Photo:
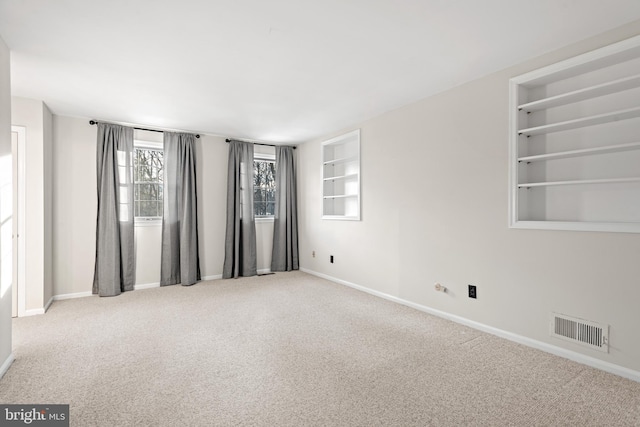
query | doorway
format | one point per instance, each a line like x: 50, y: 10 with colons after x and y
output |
x: 18, y: 146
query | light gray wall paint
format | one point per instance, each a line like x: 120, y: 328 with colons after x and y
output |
x: 434, y: 209
x: 74, y: 205
x: 74, y: 211
x: 5, y: 198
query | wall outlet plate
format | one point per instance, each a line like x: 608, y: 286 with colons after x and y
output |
x: 472, y: 291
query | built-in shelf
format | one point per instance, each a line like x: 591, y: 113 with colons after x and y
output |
x: 578, y: 182
x: 599, y: 119
x: 340, y: 196
x: 582, y: 152
x: 333, y: 178
x: 591, y: 92
x: 341, y: 177
x: 565, y: 170
x: 341, y: 160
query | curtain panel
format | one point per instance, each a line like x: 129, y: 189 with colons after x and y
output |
x: 180, y: 256
x: 284, y: 256
x: 240, y: 243
x: 115, y: 250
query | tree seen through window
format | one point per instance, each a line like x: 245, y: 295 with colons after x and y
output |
x: 148, y: 187
x: 264, y: 188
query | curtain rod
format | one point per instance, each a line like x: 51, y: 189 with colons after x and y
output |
x: 259, y: 143
x: 93, y: 122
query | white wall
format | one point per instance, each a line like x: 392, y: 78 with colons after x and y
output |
x: 74, y: 211
x: 37, y: 119
x: 74, y: 205
x: 6, y: 195
x: 434, y: 209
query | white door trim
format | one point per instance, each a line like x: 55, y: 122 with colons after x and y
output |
x: 20, y: 217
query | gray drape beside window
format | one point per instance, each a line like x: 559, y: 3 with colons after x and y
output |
x: 180, y: 257
x: 240, y: 244
x: 284, y: 256
x: 115, y: 265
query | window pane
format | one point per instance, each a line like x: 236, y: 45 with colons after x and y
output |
x: 148, y: 208
x: 148, y: 187
x: 263, y: 187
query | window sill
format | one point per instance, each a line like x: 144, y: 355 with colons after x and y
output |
x: 265, y: 219
x: 148, y: 223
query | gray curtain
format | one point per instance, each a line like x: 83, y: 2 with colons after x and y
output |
x: 240, y: 244
x: 180, y: 258
x: 115, y: 266
x: 284, y: 256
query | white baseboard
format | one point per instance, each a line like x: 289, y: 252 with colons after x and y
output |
x: 46, y: 307
x: 136, y: 287
x: 539, y: 345
x: 5, y: 366
x: 219, y: 276
x: 71, y: 296
x: 146, y: 286
x: 33, y: 312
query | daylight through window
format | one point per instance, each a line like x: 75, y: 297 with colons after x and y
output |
x: 148, y: 164
x: 264, y: 188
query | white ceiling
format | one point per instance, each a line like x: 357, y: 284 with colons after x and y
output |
x: 279, y: 70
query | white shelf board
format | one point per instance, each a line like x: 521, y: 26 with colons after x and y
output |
x: 629, y: 113
x: 333, y: 178
x: 616, y: 227
x: 340, y: 196
x: 583, y: 94
x: 583, y: 152
x: 341, y: 160
x: 616, y: 53
x: 578, y: 182
x: 341, y: 217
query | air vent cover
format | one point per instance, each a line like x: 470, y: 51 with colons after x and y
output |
x: 584, y: 332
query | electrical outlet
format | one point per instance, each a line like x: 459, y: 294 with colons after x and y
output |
x: 331, y: 259
x: 472, y: 291
x: 313, y: 254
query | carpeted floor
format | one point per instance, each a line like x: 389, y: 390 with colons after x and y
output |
x: 294, y: 350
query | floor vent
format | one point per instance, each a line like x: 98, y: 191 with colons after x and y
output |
x: 584, y: 332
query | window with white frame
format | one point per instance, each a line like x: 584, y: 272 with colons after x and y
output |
x: 148, y: 181
x: 264, y: 186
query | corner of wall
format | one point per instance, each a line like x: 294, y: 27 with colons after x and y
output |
x: 6, y: 356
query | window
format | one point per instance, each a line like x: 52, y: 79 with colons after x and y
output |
x: 264, y: 186
x: 148, y: 180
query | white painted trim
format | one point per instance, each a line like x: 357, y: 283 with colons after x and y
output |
x: 539, y: 345
x: 219, y: 276
x: 33, y: 312
x: 146, y: 286
x: 260, y: 219
x: 47, y: 305
x: 6, y: 365
x: 71, y: 296
x: 22, y: 254
x: 140, y: 222
x: 38, y: 311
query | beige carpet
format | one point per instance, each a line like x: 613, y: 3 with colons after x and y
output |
x: 291, y: 349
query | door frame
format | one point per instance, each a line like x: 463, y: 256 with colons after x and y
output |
x: 19, y: 254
